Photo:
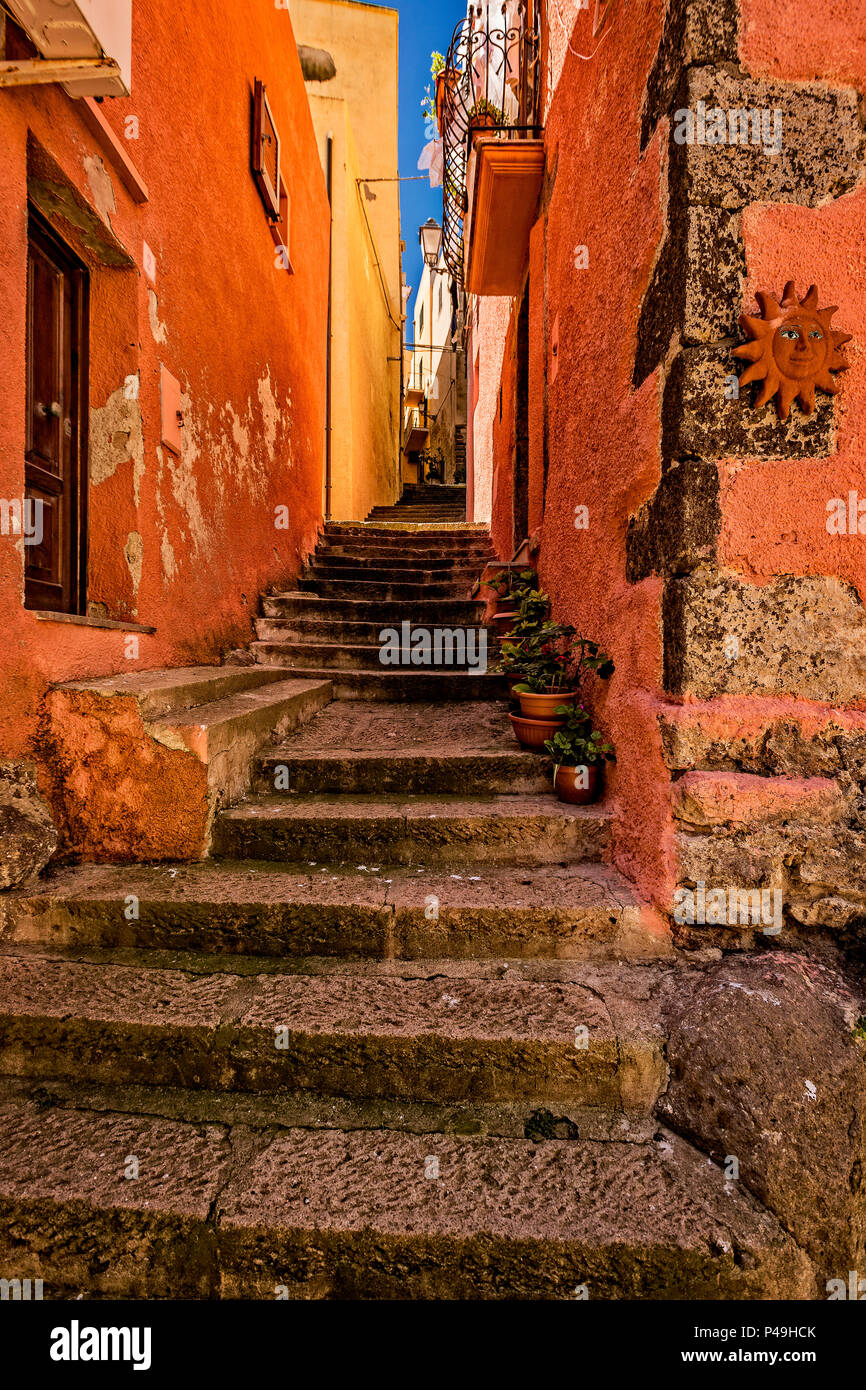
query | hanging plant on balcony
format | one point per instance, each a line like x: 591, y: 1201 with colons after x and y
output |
x: 446, y: 79
x: 434, y: 98
x: 485, y: 116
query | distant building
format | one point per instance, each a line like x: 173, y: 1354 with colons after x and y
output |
x: 435, y: 410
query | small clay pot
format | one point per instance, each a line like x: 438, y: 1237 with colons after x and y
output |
x: 533, y: 733
x: 542, y: 706
x: 504, y: 615
x: 569, y: 784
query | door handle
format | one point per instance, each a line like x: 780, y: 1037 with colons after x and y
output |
x: 54, y: 410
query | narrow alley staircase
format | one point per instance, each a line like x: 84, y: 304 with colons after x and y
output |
x: 400, y: 1036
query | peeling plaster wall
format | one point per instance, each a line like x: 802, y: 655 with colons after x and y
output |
x: 185, y: 543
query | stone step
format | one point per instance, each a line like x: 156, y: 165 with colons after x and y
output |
x: 390, y: 685
x: 381, y: 557
x: 395, y: 573
x: 350, y: 633
x: 310, y: 1213
x: 226, y: 734
x: 416, y: 514
x: 413, y: 830
x: 584, y: 912
x: 338, y: 656
x: 330, y: 560
x: 455, y: 491
x: 387, y: 592
x: 422, y: 612
x: 407, y: 542
x: 420, y: 1031
x: 422, y: 534
x: 164, y: 692
x: 420, y: 749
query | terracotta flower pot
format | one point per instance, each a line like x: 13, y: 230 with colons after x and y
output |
x: 577, y: 785
x: 445, y: 79
x: 533, y: 733
x: 542, y: 706
x: 481, y: 123
x: 504, y: 615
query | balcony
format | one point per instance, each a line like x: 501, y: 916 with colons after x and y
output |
x: 488, y: 101
x: 416, y: 430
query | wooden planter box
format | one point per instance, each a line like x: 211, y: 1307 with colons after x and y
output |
x: 504, y: 182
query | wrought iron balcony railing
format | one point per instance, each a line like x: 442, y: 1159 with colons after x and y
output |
x: 490, y: 83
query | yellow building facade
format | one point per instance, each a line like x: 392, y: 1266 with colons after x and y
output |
x: 350, y: 56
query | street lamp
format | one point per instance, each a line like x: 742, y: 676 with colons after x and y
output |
x: 430, y: 236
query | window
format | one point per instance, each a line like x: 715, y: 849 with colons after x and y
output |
x: 440, y: 294
x: 421, y: 323
x: 266, y: 152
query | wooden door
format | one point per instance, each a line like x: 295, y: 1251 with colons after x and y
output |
x: 55, y: 471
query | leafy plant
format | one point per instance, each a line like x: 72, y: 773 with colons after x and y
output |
x: 556, y: 657
x: 428, y: 105
x: 484, y: 113
x: 512, y: 586
x: 577, y: 744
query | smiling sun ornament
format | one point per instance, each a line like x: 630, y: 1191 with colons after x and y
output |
x: 793, y: 349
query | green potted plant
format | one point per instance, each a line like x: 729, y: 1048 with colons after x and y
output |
x: 557, y: 662
x: 510, y: 590
x: 532, y: 612
x: 579, y: 753
x: 485, y: 116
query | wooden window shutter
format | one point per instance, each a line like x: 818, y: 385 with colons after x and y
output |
x: 266, y: 152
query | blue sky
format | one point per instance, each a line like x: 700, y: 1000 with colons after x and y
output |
x: 425, y: 25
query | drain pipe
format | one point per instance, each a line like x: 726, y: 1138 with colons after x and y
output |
x: 328, y: 420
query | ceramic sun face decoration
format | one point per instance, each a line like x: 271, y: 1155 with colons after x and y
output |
x: 793, y: 349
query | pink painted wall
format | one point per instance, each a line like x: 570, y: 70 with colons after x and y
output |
x: 604, y: 438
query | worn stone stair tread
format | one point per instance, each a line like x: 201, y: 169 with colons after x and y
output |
x: 423, y: 1034
x: 390, y: 805
x: 225, y: 716
x: 162, y: 692
x: 344, y: 656
x: 387, y: 612
x: 410, y: 528
x: 441, y: 828
x: 586, y: 911
x: 390, y: 684
x: 356, y: 1214
x: 351, y: 634
x: 388, y: 590
x: 395, y: 573
x: 418, y: 748
x: 436, y: 728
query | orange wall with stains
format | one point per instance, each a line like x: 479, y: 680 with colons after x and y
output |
x: 183, y: 544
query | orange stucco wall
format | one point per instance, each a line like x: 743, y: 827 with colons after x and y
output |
x: 181, y: 543
x: 603, y: 437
